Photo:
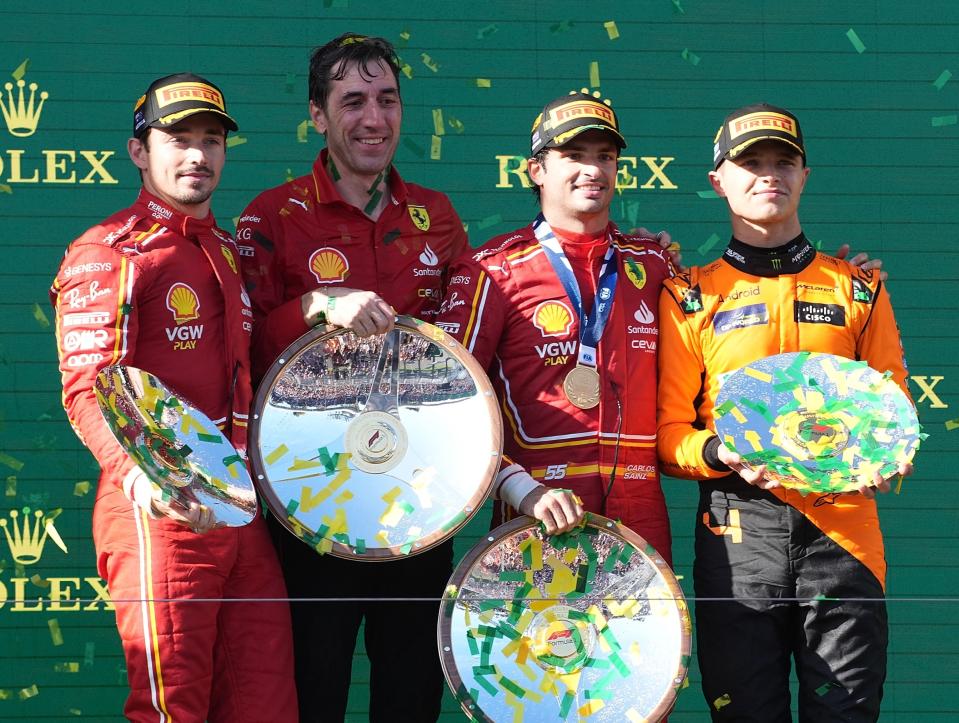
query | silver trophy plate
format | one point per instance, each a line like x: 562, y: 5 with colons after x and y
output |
x: 375, y: 448
x: 587, y: 625
x: 819, y: 422
x: 177, y: 446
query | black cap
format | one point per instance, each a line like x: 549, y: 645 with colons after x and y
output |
x: 753, y: 123
x: 566, y: 117
x: 171, y: 99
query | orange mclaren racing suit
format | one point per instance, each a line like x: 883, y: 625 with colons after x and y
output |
x: 768, y: 549
x: 507, y: 306
x: 292, y: 239
x: 157, y: 290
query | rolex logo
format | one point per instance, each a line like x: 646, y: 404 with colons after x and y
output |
x: 21, y: 114
x: 26, y: 543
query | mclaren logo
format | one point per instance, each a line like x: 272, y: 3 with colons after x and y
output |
x: 328, y: 265
x: 553, y: 318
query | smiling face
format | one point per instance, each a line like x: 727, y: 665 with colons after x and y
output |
x: 577, y: 181
x: 361, y: 119
x: 763, y: 186
x: 181, y: 164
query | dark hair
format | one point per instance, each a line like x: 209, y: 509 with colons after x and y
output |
x: 346, y: 50
x: 540, y: 158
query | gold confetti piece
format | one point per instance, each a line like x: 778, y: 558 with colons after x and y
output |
x: 635, y: 717
x: 276, y: 454
x: 722, y: 701
x: 436, y: 148
x: 943, y: 78
x: 235, y: 141
x: 455, y: 124
x: 856, y: 42
x: 11, y: 462
x: 55, y: 635
x: 407, y: 70
x: 690, y: 56
x: 483, y: 83
x: 81, y: 488
x: 594, y: 74
x: 611, y: 29
x: 301, y: 131
x: 405, y: 36
x: 11, y: 486
x: 30, y: 692
x: 21, y: 70
x: 429, y: 62
x: 952, y: 424
x: 40, y: 316
x: 55, y: 536
x: 5, y: 188
x: 39, y: 581
x: 438, y: 128
x: 944, y: 120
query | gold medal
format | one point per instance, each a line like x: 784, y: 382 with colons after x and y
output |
x: 582, y: 386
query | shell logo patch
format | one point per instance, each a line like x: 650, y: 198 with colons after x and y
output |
x: 328, y: 265
x: 553, y: 318
x: 182, y: 300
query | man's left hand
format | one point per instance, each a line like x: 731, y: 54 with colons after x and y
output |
x: 862, y: 261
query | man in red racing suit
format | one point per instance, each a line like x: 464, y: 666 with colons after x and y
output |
x: 509, y: 307
x: 157, y: 286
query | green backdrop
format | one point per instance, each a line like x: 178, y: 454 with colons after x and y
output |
x: 871, y: 81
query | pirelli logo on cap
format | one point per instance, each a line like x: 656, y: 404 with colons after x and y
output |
x: 578, y: 108
x: 758, y: 121
x: 188, y: 91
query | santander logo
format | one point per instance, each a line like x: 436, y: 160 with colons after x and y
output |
x: 643, y: 315
x: 429, y: 257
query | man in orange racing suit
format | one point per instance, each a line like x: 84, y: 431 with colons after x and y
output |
x: 771, y: 549
x: 562, y: 314
x: 157, y: 286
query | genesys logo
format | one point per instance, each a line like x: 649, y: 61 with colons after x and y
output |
x: 22, y: 105
x: 26, y: 532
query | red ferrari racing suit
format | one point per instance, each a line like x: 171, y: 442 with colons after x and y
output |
x: 292, y: 239
x: 507, y: 306
x: 776, y: 551
x: 154, y: 289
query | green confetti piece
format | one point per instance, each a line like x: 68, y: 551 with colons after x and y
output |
x: 489, y: 221
x: 512, y: 576
x: 455, y: 124
x: 708, y: 244
x: 486, y: 685
x: 568, y: 699
x: 75, y: 711
x: 4, y: 188
x: 413, y: 146
x: 690, y: 57
x: 943, y: 78
x: 611, y: 30
x: 301, y: 131
x: 626, y: 554
x: 455, y: 521
x: 707, y: 194
x: 561, y: 27
x: 235, y: 141
x: 612, y: 558
x: 292, y: 506
x: 678, y: 7
x: 12, y: 462
x: 21, y: 70
x: 11, y: 490
x: 210, y: 438
x: 517, y: 690
x: 594, y: 74
x: 939, y: 121
x: 40, y: 316
x: 486, y: 31
x: 855, y: 40
x: 826, y: 687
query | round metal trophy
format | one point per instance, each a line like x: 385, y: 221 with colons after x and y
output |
x: 587, y: 625
x: 375, y: 448
x: 177, y: 446
x: 819, y: 422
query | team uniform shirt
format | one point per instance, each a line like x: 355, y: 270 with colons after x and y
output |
x: 152, y: 288
x: 751, y: 304
x: 507, y: 305
x: 302, y: 235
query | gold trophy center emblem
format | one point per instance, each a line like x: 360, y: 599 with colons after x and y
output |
x: 582, y: 386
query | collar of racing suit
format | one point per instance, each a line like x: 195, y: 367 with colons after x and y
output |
x: 327, y: 192
x: 790, y: 258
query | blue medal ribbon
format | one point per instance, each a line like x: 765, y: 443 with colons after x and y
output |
x: 591, y: 327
